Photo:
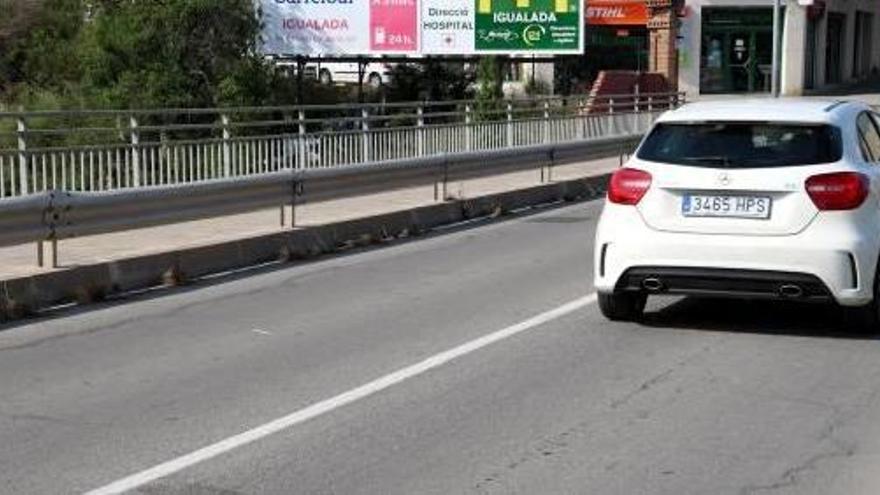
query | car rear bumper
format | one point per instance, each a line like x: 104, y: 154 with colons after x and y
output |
x: 720, y: 282
x: 837, y: 264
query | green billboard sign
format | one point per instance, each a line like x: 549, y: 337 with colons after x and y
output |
x: 543, y: 26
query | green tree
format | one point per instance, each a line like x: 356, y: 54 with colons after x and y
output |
x: 489, y: 87
x: 181, y: 53
x: 38, y: 45
x: 430, y: 80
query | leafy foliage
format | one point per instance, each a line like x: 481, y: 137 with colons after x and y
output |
x: 38, y: 43
x: 433, y: 80
x: 62, y: 54
x: 134, y: 54
x: 180, y: 53
x: 490, y: 91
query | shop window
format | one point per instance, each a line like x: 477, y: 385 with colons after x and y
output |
x: 736, y: 50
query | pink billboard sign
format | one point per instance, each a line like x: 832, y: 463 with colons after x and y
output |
x: 393, y: 25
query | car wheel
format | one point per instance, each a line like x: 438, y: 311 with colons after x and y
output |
x: 325, y: 77
x: 622, y: 306
x: 865, y: 319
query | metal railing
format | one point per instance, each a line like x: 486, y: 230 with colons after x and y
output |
x: 93, y: 151
x: 57, y: 215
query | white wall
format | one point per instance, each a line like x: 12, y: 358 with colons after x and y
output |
x: 848, y: 8
x: 689, y: 49
x: 794, y: 44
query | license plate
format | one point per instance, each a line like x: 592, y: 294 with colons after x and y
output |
x: 706, y: 205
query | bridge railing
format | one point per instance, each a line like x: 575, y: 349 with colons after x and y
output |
x: 93, y: 151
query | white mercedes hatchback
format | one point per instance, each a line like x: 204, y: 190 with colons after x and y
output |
x: 775, y: 199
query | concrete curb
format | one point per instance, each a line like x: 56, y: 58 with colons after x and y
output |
x: 84, y: 284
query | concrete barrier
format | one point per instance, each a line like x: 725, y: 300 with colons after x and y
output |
x: 25, y: 296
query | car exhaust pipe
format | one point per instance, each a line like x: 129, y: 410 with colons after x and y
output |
x: 652, y: 284
x: 791, y: 291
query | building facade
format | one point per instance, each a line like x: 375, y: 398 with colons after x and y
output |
x: 726, y: 46
x: 628, y: 35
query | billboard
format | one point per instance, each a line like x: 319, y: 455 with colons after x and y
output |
x: 447, y: 27
x: 531, y: 26
x: 294, y: 27
x: 617, y: 13
x: 394, y: 26
x: 421, y: 27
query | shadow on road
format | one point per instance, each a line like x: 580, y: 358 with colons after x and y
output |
x: 764, y: 317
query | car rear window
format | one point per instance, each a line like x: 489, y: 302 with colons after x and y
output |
x: 742, y: 144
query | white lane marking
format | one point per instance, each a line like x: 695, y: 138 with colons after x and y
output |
x: 261, y: 332
x: 188, y: 460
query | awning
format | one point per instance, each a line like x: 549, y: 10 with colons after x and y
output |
x: 617, y: 13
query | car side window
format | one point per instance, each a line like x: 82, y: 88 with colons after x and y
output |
x: 875, y: 116
x: 869, y: 137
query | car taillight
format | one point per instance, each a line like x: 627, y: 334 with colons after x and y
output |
x: 628, y: 186
x: 838, y: 191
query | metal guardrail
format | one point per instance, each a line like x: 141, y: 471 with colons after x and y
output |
x: 96, y: 213
x: 91, y: 151
x: 57, y: 215
x: 132, y: 187
x: 27, y: 219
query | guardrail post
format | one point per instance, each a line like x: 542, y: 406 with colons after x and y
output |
x: 41, y: 253
x: 286, y: 160
x: 365, y: 128
x: 420, y: 123
x: 22, y: 157
x: 135, y: 151
x: 546, y: 121
x: 227, y: 147
x: 581, y: 118
x: 509, y: 124
x: 650, y: 103
x: 301, y: 147
x: 611, y: 126
x: 468, y: 119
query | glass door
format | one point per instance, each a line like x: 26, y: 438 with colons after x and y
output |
x: 763, y: 54
x: 737, y: 50
x: 741, y: 61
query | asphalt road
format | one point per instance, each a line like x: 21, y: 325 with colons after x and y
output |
x: 706, y: 397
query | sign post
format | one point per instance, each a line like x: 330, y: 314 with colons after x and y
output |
x: 777, y: 50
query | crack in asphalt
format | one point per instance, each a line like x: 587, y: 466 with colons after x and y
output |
x: 553, y: 445
x: 542, y: 449
x: 792, y: 476
x: 658, y: 378
x: 840, y: 449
